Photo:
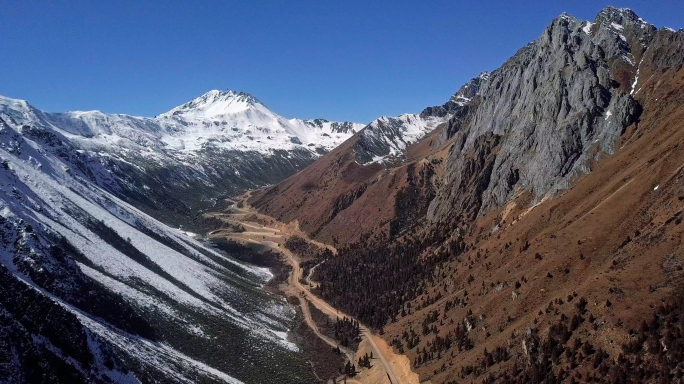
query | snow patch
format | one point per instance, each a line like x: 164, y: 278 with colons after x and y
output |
x: 636, y: 80
x: 608, y: 115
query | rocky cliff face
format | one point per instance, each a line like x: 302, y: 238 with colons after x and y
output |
x: 485, y: 270
x: 557, y: 106
x: 611, y: 242
x: 520, y: 282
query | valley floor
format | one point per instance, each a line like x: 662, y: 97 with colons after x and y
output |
x: 267, y: 233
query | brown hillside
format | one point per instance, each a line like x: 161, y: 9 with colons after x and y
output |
x: 614, y: 239
x: 338, y: 200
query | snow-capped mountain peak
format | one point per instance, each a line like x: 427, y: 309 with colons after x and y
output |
x: 237, y: 120
x: 215, y: 103
x: 16, y: 109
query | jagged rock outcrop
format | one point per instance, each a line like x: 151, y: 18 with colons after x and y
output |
x: 459, y: 99
x: 470, y: 89
x: 558, y: 105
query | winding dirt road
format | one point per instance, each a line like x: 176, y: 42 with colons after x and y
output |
x: 397, y: 370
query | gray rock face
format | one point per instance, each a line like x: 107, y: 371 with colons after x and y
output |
x: 546, y: 115
x: 460, y: 99
x: 665, y: 50
x: 470, y: 89
x: 336, y: 126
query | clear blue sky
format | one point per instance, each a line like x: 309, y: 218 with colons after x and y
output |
x: 343, y: 60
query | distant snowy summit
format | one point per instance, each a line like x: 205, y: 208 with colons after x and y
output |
x: 215, y: 103
x: 218, y: 119
x: 240, y: 121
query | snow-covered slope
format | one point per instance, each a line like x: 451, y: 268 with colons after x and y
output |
x: 218, y: 144
x: 218, y: 119
x: 89, y: 284
x: 237, y: 120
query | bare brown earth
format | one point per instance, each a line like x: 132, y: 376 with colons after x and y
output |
x: 338, y: 201
x: 260, y: 229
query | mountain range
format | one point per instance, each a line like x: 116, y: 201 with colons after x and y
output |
x: 218, y: 144
x: 526, y: 230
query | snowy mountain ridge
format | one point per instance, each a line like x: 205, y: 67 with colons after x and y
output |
x: 386, y: 138
x: 238, y: 120
x: 218, y: 119
x: 221, y: 143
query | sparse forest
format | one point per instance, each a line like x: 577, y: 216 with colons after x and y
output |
x: 372, y: 280
x: 653, y: 354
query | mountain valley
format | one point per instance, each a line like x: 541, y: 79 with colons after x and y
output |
x: 529, y: 229
x: 130, y: 298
